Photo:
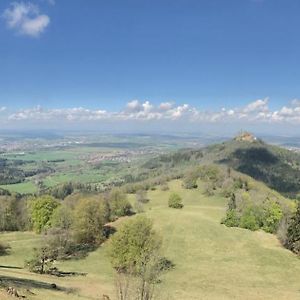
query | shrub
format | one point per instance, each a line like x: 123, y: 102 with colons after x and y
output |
x: 272, y: 215
x: 164, y: 187
x: 190, y: 180
x: 41, y: 261
x: 231, y: 219
x: 4, y: 249
x: 175, y: 201
x: 250, y: 218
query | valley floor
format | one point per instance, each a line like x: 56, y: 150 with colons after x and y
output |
x: 211, y: 261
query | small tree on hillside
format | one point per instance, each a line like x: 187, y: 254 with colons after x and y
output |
x: 42, y: 260
x: 175, y: 201
x: 135, y: 255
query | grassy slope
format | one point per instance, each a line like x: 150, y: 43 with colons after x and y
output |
x: 212, y: 261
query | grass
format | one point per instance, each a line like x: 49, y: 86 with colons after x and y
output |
x: 26, y: 187
x: 211, y: 261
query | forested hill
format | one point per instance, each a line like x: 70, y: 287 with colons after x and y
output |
x: 277, y: 167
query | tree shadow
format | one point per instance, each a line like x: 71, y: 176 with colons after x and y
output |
x: 10, y: 267
x: 24, y: 283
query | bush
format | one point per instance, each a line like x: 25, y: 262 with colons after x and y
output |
x: 250, y: 218
x: 190, y: 180
x: 272, y: 215
x: 4, y: 249
x: 42, y: 260
x: 175, y: 201
x: 164, y: 187
x: 232, y: 219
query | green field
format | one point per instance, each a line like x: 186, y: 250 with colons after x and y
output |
x: 211, y: 261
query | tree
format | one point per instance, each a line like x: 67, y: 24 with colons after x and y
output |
x: 62, y: 218
x: 190, y: 180
x: 120, y: 206
x: 42, y: 260
x: 232, y: 202
x: 41, y: 210
x: 293, y: 232
x: 272, y: 215
x: 175, y: 201
x: 135, y: 255
x: 89, y: 221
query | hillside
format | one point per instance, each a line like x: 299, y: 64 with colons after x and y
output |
x: 211, y: 261
x: 277, y: 167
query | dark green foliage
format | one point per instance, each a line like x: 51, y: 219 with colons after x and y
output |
x: 278, y: 168
x: 293, y: 233
x: 61, y: 192
x: 175, y: 201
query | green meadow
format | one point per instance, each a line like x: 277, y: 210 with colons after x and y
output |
x: 211, y: 261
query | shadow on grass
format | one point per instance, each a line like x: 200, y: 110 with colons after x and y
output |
x: 58, y: 273
x: 23, y: 283
x: 10, y: 267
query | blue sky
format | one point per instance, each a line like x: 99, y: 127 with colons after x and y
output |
x: 101, y: 55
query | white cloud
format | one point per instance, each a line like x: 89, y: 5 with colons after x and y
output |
x: 2, y: 109
x: 255, y: 112
x: 26, y: 19
x: 166, y: 105
x: 258, y: 105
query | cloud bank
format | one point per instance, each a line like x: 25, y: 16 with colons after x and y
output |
x: 256, y: 112
x: 26, y: 19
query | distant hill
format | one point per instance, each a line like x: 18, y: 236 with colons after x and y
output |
x: 277, y: 167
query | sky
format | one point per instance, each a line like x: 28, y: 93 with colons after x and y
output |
x: 173, y: 65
